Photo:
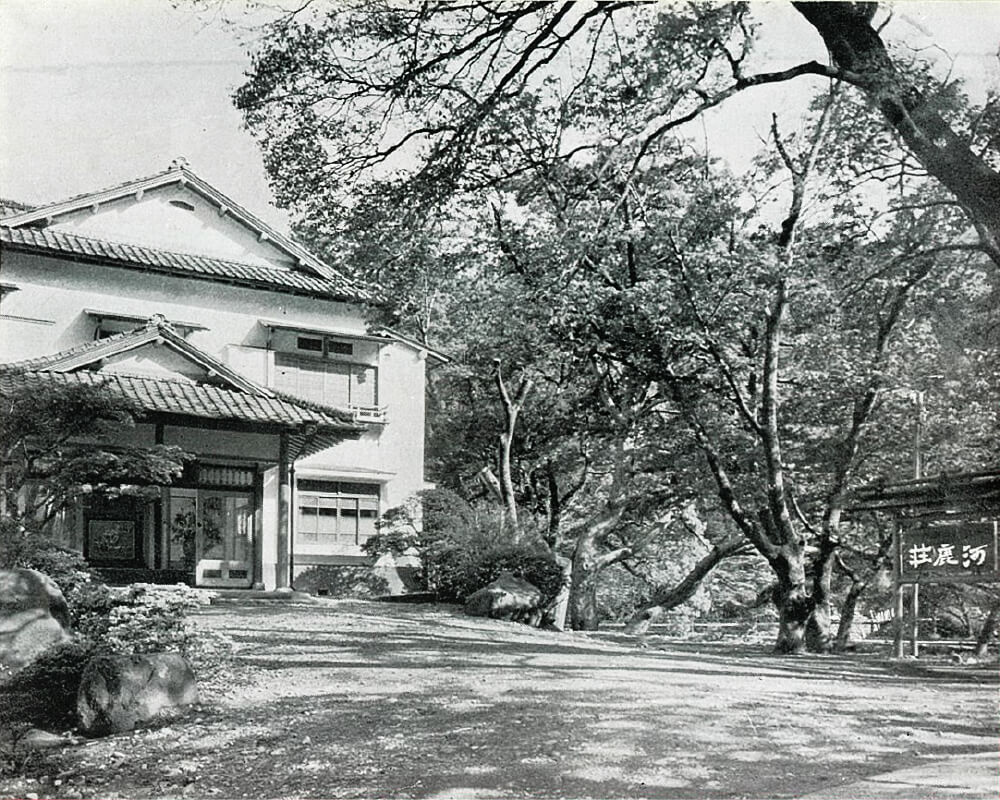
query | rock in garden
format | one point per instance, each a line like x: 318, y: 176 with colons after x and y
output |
x: 508, y: 598
x: 33, y: 616
x: 38, y: 739
x: 118, y: 693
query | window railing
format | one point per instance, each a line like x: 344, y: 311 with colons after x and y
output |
x: 375, y: 414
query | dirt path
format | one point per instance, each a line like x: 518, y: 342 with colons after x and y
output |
x: 350, y: 699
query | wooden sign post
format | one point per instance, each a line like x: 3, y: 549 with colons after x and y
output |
x: 944, y: 551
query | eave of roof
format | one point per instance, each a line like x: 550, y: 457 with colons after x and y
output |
x: 59, y: 244
x: 192, y: 401
x: 436, y: 355
x: 179, y: 174
x: 139, y: 319
x: 9, y: 208
x: 318, y: 330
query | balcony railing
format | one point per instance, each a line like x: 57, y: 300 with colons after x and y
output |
x: 376, y: 414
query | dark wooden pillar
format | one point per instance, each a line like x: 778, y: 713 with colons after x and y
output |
x: 282, y: 576
x: 258, y: 530
x: 159, y: 535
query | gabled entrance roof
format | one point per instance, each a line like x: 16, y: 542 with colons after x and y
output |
x: 158, y: 396
x: 230, y: 402
x: 158, y: 330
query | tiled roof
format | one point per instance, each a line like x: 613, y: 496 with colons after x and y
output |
x: 179, y: 173
x: 92, y: 350
x: 240, y: 401
x: 190, y: 399
x: 83, y: 248
x: 156, y: 329
x: 9, y: 207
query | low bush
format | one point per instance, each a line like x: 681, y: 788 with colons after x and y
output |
x: 454, y: 572
x: 458, y: 547
x: 342, y: 580
x: 129, y: 620
x: 43, y: 694
x: 67, y: 568
x: 144, y: 618
x: 151, y: 619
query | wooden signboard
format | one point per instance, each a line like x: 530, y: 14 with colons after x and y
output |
x: 952, y: 552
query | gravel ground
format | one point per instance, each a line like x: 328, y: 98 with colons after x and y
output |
x: 366, y: 700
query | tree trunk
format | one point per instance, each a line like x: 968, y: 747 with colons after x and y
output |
x: 583, y: 613
x: 819, y: 638
x: 559, y: 609
x: 986, y: 632
x: 588, y: 562
x: 794, y: 604
x: 794, y: 610
x: 856, y: 47
x: 665, y: 599
x: 553, y: 506
x: 511, y: 407
x: 819, y: 628
x: 847, y: 614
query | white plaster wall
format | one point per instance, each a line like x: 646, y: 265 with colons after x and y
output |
x: 46, y: 315
x: 255, y: 363
x: 269, y: 513
x: 154, y: 362
x: 395, y: 450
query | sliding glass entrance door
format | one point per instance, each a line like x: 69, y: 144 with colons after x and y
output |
x: 210, y: 533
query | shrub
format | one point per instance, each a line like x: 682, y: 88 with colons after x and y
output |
x: 430, y: 517
x: 141, y: 618
x: 23, y: 544
x: 43, y: 694
x: 454, y: 572
x: 144, y: 618
x: 458, y: 547
x: 342, y: 580
x: 67, y: 568
x: 152, y: 619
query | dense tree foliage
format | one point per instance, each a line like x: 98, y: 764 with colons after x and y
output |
x: 516, y: 176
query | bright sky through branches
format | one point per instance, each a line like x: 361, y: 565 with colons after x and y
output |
x: 95, y: 92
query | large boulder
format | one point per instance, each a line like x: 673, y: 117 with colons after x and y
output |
x: 33, y: 616
x: 119, y: 693
x: 508, y: 597
x: 401, y: 573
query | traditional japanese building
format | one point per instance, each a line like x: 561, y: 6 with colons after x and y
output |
x: 239, y: 346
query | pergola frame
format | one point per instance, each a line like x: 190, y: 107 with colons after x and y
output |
x: 957, y: 497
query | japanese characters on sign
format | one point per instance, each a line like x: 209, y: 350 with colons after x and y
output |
x: 953, y: 550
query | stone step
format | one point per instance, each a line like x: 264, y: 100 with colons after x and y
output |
x: 238, y: 596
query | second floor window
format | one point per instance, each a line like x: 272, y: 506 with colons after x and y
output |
x: 335, y: 383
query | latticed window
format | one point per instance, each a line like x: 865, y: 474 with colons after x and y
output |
x: 335, y: 383
x: 335, y: 516
x: 224, y: 475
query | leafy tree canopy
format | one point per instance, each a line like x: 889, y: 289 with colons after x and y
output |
x: 55, y: 451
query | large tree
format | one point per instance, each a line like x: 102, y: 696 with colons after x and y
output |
x: 552, y: 126
x: 339, y: 96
